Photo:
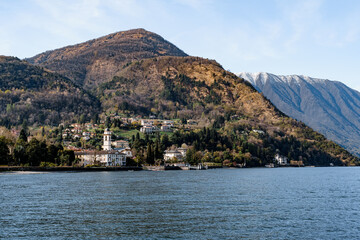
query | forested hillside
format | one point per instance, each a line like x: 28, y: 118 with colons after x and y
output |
x: 32, y: 94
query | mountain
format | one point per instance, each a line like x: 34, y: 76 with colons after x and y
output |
x: 329, y: 107
x: 138, y: 72
x: 200, y: 89
x: 33, y: 94
x: 93, y: 62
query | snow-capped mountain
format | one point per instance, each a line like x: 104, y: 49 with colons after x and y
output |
x: 329, y: 107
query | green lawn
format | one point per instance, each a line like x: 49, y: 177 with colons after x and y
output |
x: 128, y: 134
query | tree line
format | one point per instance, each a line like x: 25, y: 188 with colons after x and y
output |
x: 33, y: 152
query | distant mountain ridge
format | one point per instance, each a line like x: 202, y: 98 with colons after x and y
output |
x: 329, y: 107
x: 96, y: 61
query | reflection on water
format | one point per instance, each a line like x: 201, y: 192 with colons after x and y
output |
x: 282, y: 203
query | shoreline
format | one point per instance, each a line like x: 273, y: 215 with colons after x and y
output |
x: 67, y: 169
x: 124, y: 168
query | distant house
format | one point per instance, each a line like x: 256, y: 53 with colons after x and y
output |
x: 76, y: 130
x: 148, y: 129
x: 146, y: 122
x: 172, y: 155
x: 121, y: 144
x: 183, y: 151
x: 179, y: 154
x: 281, y: 160
x: 86, y: 134
x: 258, y: 131
x: 168, y: 122
x: 127, y: 152
x: 76, y: 125
x: 77, y: 136
x: 166, y: 128
x: 191, y: 122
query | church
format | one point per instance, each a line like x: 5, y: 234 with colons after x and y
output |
x: 107, y: 157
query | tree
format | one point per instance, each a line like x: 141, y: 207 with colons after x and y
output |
x: 24, y: 125
x: 34, y: 152
x: 4, y: 151
x: 82, y: 119
x: 53, y: 153
x: 149, y: 154
x: 157, y: 151
x: 107, y: 122
x: 23, y: 135
x: 66, y: 157
x: 190, y: 154
x: 19, y: 153
x: 165, y: 143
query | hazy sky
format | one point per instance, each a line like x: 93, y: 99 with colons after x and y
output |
x: 317, y: 38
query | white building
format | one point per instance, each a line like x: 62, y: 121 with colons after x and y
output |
x: 182, y: 151
x: 173, y: 155
x: 149, y: 129
x: 146, y: 122
x: 168, y: 122
x: 258, y: 131
x: 104, y: 158
x: 146, y: 129
x: 127, y: 152
x: 107, y: 140
x: 281, y: 160
x: 179, y: 154
x: 107, y: 157
x: 166, y: 128
x: 86, y: 136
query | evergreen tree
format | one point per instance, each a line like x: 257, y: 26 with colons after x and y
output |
x: 165, y: 143
x: 149, y: 154
x: 157, y: 150
x: 107, y: 122
x: 4, y: 151
x: 53, y: 153
x: 23, y: 135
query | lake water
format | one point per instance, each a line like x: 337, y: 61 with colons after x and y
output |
x: 259, y: 203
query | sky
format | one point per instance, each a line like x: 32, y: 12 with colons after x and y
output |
x: 317, y: 38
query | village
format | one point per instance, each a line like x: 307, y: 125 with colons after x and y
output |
x: 149, y: 143
x: 115, y: 147
x: 117, y: 152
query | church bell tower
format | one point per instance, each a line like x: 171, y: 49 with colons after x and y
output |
x: 107, y: 140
